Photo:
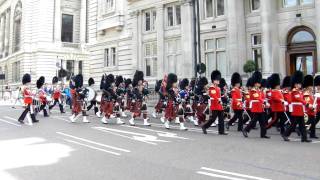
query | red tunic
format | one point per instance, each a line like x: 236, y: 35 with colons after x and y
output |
x: 215, y: 99
x: 56, y: 93
x: 247, y: 100
x: 297, y: 106
x: 27, y: 95
x: 277, y: 101
x: 287, y: 97
x: 256, y: 101
x: 236, y: 99
x: 43, y: 96
x: 308, y: 98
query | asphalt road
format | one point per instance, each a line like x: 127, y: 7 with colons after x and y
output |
x: 56, y: 149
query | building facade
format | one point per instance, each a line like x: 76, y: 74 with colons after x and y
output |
x: 157, y: 36
x: 42, y: 36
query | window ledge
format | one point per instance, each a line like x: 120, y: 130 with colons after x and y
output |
x: 115, y: 21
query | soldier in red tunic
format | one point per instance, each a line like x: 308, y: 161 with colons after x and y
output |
x: 236, y: 104
x: 308, y: 96
x: 246, y: 97
x: 297, y: 108
x: 215, y: 104
x: 42, y: 96
x: 257, y: 107
x: 277, y: 103
x: 314, y: 123
x: 28, y: 99
x: 56, y: 94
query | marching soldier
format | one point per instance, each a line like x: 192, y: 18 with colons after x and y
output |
x: 257, y: 107
x: 314, y: 123
x: 93, y: 103
x: 237, y: 104
x: 215, y: 104
x: 161, y: 101
x: 201, y: 100
x: 311, y: 110
x: 297, y: 108
x: 121, y: 92
x: 42, y: 96
x: 56, y: 94
x: 246, y: 98
x: 28, y: 99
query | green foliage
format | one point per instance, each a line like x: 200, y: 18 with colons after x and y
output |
x: 249, y: 67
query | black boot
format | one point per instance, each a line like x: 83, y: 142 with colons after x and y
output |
x: 45, y: 113
x: 61, y: 108
x: 33, y: 117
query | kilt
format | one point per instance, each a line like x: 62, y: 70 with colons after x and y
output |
x: 200, y: 112
x: 159, y: 106
x: 107, y: 108
x: 136, y: 108
x: 76, y: 106
x: 129, y: 104
x: 170, y: 111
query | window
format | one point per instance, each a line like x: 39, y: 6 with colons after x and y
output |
x: 17, y: 27
x: 110, y: 57
x: 173, y: 15
x: 291, y: 3
x: 70, y: 68
x: 80, y: 67
x: 209, y: 8
x: 16, y: 71
x: 219, y: 8
x: 150, y: 58
x: 302, y: 36
x: 215, y: 55
x: 106, y: 7
x: 257, y: 50
x: 214, y: 7
x: 67, y: 28
x: 150, y: 20
x: 174, y: 57
x: 255, y: 5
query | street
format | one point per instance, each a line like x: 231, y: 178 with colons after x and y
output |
x: 56, y: 149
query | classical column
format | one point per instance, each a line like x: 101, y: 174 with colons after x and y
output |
x: 160, y: 42
x: 7, y: 33
x: 57, y: 21
x: 1, y: 33
x: 236, y: 39
x: 135, y: 36
x: 269, y: 31
x: 317, y: 4
x: 187, y: 61
x: 83, y: 21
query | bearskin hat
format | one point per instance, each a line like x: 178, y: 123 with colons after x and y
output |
x: 26, y: 79
x: 91, y: 81
x: 223, y: 83
x: 264, y: 83
x: 184, y: 83
x: 215, y: 75
x: 127, y: 82
x: 109, y: 80
x: 172, y: 78
x: 55, y: 80
x: 297, y: 78
x: 286, y: 83
x: 138, y: 76
x: 119, y: 80
x: 274, y: 80
x: 202, y: 82
x: 235, y: 79
x: 40, y: 82
x: 158, y: 85
x: 317, y: 81
x: 308, y: 81
x: 256, y: 77
x: 249, y: 82
x: 78, y: 81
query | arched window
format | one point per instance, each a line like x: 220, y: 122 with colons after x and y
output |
x: 17, y: 27
x: 302, y: 36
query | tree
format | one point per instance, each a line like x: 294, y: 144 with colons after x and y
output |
x: 249, y: 67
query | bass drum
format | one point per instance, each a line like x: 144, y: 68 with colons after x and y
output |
x: 98, y: 97
x: 90, y: 95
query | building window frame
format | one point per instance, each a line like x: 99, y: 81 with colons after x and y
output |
x: 252, y: 6
x: 214, y: 8
x: 152, y: 20
x: 213, y: 51
x: 150, y: 57
x: 107, y: 7
x: 110, y: 57
x: 256, y: 49
x: 73, y: 28
x: 297, y: 3
x: 176, y: 15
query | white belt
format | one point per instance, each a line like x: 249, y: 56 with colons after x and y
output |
x: 253, y: 101
x: 296, y: 104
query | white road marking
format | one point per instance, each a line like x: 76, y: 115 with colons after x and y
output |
x: 92, y: 147
x: 233, y: 173
x: 159, y: 133
x: 18, y: 125
x: 218, y: 176
x: 58, y: 118
x: 93, y: 142
x: 149, y: 139
x: 11, y: 118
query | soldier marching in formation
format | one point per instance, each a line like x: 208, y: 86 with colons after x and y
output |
x: 265, y: 101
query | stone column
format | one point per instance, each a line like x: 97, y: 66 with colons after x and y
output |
x: 236, y: 39
x: 160, y: 42
x: 1, y: 33
x: 317, y: 4
x: 135, y: 42
x: 7, y: 33
x: 83, y: 21
x: 187, y: 61
x: 269, y: 36
x: 57, y: 21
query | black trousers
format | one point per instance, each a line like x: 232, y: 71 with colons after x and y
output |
x: 55, y: 103
x: 25, y: 112
x: 313, y: 121
x: 238, y: 114
x: 247, y: 117
x: 297, y: 120
x: 213, y: 117
x: 43, y: 108
x: 275, y: 119
x: 262, y: 121
x: 93, y: 104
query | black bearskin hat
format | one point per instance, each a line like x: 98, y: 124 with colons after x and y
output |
x: 109, y: 81
x: 235, y: 79
x: 91, y: 81
x: 138, y: 76
x: 317, y: 81
x: 119, y: 80
x: 184, y: 83
x: 158, y: 85
x: 256, y: 77
x: 78, y: 81
x: 26, y: 79
x: 286, y: 83
x: 308, y: 81
x: 274, y: 80
x: 249, y: 82
x: 172, y: 78
x: 55, y: 80
x: 297, y: 78
x: 202, y: 82
x: 215, y: 75
x: 127, y: 82
x: 40, y: 82
x: 223, y: 83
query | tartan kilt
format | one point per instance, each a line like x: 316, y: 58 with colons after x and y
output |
x: 76, y: 106
x: 200, y: 112
x: 136, y: 108
x: 170, y: 111
x: 107, y: 108
x: 159, y: 106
